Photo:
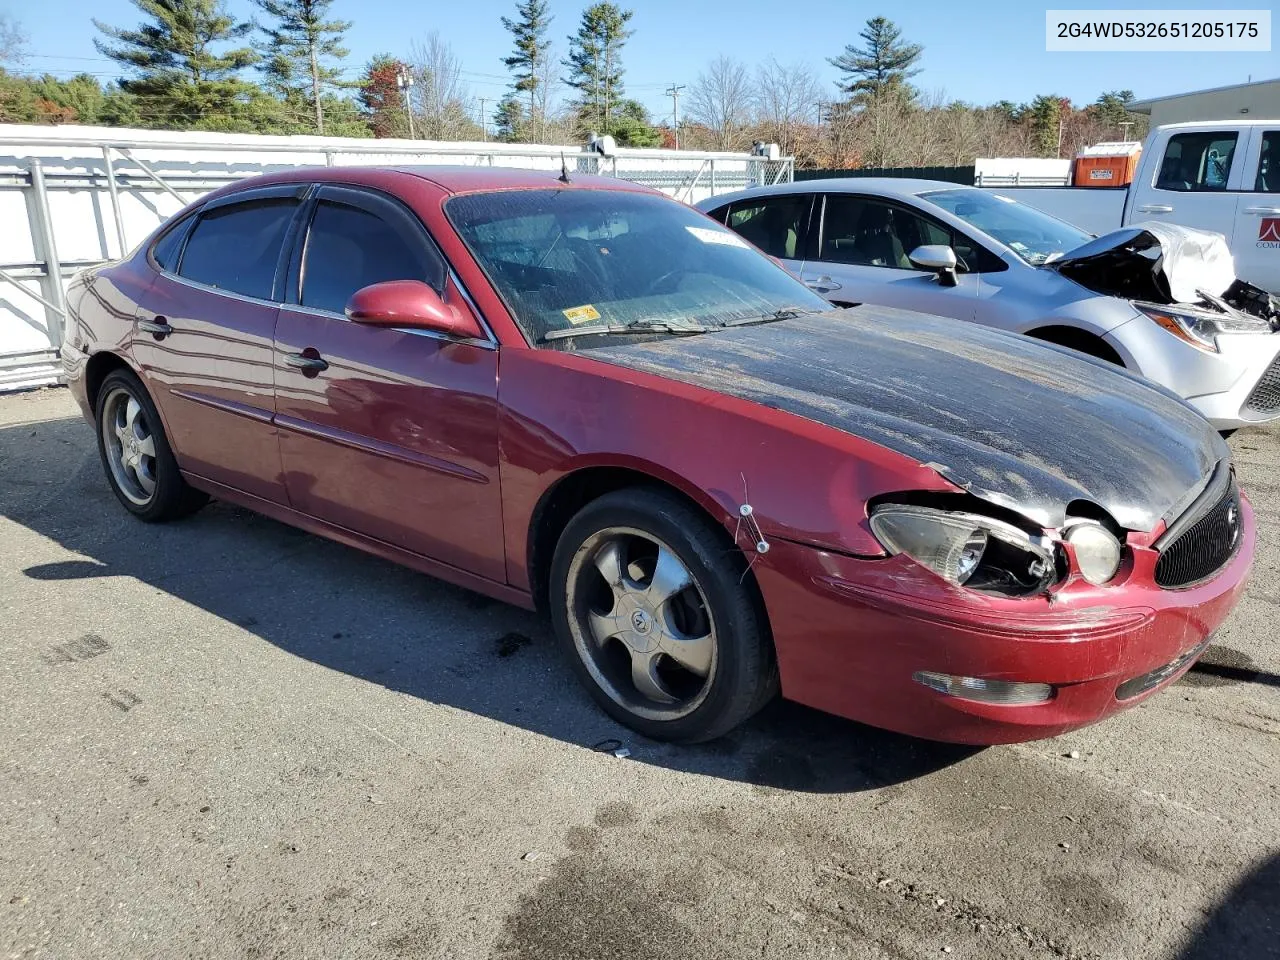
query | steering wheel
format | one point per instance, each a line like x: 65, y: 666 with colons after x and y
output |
x: 652, y: 286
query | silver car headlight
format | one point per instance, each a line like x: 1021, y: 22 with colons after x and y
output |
x: 967, y: 549
x: 1097, y: 551
x: 1202, y: 330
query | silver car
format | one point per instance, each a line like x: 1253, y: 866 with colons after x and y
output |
x: 966, y: 253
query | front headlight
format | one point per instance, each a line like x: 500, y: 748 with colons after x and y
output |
x: 966, y: 548
x: 1097, y: 551
x: 1201, y: 330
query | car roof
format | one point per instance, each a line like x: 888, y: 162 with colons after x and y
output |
x: 900, y: 187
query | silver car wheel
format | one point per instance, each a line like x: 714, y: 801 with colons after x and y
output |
x: 130, y: 445
x: 641, y: 623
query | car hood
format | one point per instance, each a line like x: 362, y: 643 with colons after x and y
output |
x: 1025, y: 425
x: 1157, y: 262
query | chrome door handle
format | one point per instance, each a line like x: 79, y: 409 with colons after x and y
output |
x: 305, y: 363
x: 158, y: 328
x: 823, y: 283
x: 1155, y: 208
x: 1269, y: 211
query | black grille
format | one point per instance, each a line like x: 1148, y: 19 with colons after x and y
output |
x: 1265, y: 397
x: 1205, y: 546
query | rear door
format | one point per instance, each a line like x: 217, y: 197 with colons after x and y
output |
x: 1193, y: 183
x: 1255, y: 242
x: 862, y: 256
x: 204, y: 336
x: 776, y: 223
x: 391, y: 433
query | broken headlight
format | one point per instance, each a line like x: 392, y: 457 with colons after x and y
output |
x: 967, y: 549
x: 1202, y: 329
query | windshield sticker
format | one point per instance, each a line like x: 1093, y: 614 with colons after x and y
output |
x: 583, y: 314
x: 723, y: 237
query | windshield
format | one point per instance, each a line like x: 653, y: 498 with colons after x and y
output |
x: 1034, y: 236
x: 579, y: 260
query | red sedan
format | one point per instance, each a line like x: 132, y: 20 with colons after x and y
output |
x: 576, y: 394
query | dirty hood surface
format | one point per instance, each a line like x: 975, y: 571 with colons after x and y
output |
x: 1021, y: 424
x: 1159, y: 262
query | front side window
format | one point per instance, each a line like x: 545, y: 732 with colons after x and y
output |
x: 237, y: 247
x: 1197, y: 161
x: 871, y: 233
x: 1034, y: 236
x: 349, y: 248
x: 1268, y: 178
x: 774, y: 224
x: 569, y: 258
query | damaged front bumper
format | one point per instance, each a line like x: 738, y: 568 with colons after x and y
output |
x: 1236, y: 386
x: 860, y: 634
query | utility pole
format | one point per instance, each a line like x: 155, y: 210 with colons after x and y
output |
x: 404, y: 80
x: 484, y: 123
x: 1124, y: 129
x: 673, y: 92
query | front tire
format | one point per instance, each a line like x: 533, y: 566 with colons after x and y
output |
x: 135, y: 453
x: 650, y: 600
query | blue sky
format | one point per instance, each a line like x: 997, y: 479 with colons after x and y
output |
x: 980, y: 52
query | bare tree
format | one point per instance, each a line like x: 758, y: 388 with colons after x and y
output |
x: 787, y: 100
x: 13, y: 42
x: 720, y: 100
x: 441, y: 100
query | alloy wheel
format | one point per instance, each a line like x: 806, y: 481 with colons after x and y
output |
x: 641, y: 623
x: 130, y: 446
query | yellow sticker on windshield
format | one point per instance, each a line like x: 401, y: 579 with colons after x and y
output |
x: 583, y: 314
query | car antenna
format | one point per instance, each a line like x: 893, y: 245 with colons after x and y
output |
x: 564, y: 169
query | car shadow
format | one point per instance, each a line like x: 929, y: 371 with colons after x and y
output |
x: 347, y: 611
x: 1246, y: 925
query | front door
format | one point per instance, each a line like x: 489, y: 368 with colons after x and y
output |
x: 864, y: 245
x: 1194, y: 182
x: 205, y: 338
x: 387, y: 432
x: 1255, y: 244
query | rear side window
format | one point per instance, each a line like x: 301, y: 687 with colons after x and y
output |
x: 1196, y: 162
x: 1268, y: 178
x: 774, y: 224
x: 349, y: 248
x: 166, y: 249
x: 236, y: 247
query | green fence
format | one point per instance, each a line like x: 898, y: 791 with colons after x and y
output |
x: 963, y: 175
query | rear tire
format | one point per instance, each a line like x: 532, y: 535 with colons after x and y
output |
x: 650, y: 602
x: 135, y: 452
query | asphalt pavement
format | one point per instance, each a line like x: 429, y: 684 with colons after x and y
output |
x: 225, y: 738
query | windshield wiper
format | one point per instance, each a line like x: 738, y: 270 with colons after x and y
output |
x: 635, y: 326
x: 786, y: 313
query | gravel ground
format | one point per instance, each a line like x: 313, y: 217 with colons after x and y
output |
x: 227, y: 738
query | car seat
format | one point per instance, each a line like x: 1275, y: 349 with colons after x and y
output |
x: 876, y: 242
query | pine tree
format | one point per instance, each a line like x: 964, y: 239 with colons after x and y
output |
x: 883, y: 66
x: 380, y: 97
x: 182, y: 76
x: 595, y: 63
x: 527, y: 63
x: 299, y: 50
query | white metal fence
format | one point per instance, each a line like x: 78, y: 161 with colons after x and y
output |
x: 73, y: 197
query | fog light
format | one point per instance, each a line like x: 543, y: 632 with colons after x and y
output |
x: 1006, y: 692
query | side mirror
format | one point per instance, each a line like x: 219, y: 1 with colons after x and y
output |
x: 939, y: 258
x: 411, y: 304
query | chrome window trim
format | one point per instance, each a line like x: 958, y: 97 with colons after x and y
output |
x: 220, y: 291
